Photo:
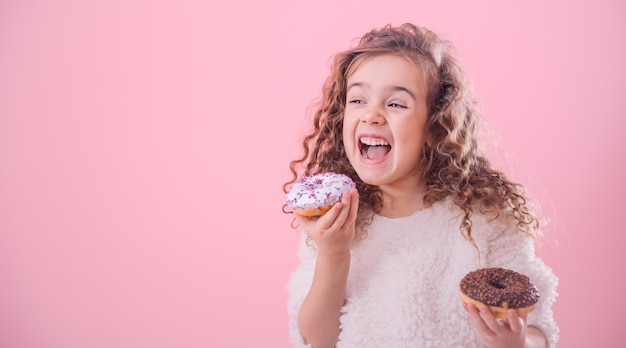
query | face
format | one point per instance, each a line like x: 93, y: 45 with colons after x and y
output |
x: 384, y: 126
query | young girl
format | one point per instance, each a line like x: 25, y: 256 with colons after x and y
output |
x: 382, y: 267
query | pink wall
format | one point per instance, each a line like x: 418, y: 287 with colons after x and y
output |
x: 143, y: 145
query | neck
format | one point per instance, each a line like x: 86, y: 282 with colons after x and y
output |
x: 402, y: 199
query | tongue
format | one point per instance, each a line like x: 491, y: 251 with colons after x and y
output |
x: 377, y: 152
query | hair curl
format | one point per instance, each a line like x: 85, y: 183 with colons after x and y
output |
x: 452, y: 166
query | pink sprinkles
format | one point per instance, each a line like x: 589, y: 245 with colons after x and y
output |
x: 318, y: 190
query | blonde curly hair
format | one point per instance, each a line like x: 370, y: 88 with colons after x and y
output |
x: 451, y: 164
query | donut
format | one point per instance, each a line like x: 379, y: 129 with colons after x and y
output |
x: 314, y: 195
x: 500, y: 289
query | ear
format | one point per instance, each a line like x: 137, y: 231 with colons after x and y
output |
x: 429, y: 139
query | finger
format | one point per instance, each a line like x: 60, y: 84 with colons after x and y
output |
x: 516, y: 323
x: 478, y: 321
x: 334, y: 217
x: 325, y: 220
x: 490, y: 320
x: 345, y: 210
x: 354, y: 205
x: 351, y: 200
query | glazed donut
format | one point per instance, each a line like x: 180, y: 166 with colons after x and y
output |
x: 500, y: 289
x: 314, y: 195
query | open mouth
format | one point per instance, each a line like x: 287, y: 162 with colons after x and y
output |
x: 373, y: 148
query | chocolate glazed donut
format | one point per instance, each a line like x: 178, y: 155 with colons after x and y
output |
x: 500, y: 289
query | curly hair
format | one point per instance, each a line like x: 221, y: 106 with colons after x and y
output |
x: 452, y: 166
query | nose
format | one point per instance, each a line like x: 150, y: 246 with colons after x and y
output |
x: 373, y: 116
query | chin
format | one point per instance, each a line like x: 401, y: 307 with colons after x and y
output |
x: 370, y: 178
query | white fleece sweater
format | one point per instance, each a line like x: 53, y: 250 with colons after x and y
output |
x: 403, y: 285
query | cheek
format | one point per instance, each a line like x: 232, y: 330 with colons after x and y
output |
x: 415, y: 138
x: 347, y: 132
x: 350, y: 148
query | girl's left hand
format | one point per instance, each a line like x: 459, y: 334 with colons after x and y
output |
x: 496, y: 332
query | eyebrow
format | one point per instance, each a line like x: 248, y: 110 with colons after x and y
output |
x: 390, y: 88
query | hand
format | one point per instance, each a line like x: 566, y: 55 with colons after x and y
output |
x: 333, y: 232
x: 497, y: 332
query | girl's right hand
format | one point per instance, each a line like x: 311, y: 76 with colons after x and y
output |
x: 334, y: 231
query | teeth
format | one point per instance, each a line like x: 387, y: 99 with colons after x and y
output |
x: 373, y: 141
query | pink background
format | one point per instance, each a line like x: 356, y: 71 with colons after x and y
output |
x: 144, y: 144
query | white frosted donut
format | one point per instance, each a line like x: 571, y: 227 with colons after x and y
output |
x: 314, y: 195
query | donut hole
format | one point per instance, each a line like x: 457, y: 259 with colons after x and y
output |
x: 496, y: 284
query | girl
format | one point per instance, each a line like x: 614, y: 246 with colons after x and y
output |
x: 382, y: 267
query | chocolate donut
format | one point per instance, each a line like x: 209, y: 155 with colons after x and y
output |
x: 500, y: 289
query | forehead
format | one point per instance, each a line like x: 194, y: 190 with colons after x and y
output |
x: 383, y: 69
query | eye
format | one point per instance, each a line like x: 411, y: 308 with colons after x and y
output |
x: 357, y: 101
x: 396, y: 105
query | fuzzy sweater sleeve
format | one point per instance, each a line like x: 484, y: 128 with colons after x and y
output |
x: 298, y: 288
x: 515, y: 251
